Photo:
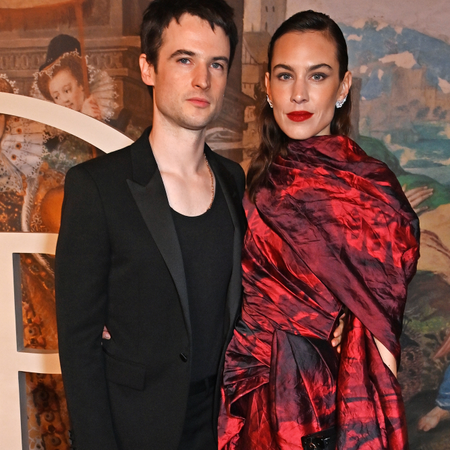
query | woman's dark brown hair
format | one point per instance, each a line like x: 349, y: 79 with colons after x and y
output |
x: 273, y: 140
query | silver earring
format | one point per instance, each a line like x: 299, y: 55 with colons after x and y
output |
x: 340, y: 103
x: 269, y: 101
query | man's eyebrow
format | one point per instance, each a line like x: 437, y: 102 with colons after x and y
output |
x: 224, y: 59
x: 182, y: 52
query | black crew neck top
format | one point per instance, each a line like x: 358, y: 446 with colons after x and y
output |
x: 206, y: 243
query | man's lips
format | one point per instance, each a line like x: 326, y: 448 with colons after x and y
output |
x: 198, y: 101
x: 299, y: 116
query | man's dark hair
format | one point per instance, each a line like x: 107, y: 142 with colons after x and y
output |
x: 160, y: 13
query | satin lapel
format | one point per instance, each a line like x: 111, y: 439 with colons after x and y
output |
x: 152, y: 202
x: 234, y: 202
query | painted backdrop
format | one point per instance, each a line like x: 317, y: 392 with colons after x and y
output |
x: 400, y: 59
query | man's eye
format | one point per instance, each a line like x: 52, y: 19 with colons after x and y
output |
x: 217, y: 66
x: 184, y: 60
x: 284, y: 76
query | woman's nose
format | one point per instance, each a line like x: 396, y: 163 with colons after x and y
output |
x: 299, y: 92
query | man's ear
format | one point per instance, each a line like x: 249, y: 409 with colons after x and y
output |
x: 147, y: 70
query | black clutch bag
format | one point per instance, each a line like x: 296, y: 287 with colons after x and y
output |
x: 322, y: 440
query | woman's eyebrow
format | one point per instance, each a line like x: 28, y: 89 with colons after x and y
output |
x: 314, y: 67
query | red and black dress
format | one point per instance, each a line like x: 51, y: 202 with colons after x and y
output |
x: 333, y: 229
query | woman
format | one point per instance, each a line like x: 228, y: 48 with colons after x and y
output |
x: 64, y: 86
x: 329, y: 229
x: 60, y: 80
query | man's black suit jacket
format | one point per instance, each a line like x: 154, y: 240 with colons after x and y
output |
x: 119, y: 264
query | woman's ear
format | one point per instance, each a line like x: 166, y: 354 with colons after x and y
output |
x: 147, y: 70
x: 267, y: 84
x: 346, y: 84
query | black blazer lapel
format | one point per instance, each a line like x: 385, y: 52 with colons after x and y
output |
x: 150, y: 196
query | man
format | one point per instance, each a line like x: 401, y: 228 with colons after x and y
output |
x: 149, y: 246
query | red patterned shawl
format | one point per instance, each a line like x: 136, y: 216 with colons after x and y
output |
x: 333, y: 229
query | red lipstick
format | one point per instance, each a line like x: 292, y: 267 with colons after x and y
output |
x: 299, y: 116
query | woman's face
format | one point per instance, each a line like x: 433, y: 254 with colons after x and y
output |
x: 304, y: 83
x: 66, y: 91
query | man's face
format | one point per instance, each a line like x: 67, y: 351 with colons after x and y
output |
x: 190, y: 81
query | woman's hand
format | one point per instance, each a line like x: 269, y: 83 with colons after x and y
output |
x: 335, y: 342
x: 386, y: 356
x: 91, y: 108
x: 337, y: 334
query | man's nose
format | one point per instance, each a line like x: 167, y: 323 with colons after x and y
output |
x: 202, y: 77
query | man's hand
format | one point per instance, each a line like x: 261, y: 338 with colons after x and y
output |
x: 105, y: 334
x: 335, y: 342
x: 337, y: 335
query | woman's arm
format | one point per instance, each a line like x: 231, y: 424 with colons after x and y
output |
x: 386, y: 356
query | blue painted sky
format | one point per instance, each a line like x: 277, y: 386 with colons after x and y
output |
x: 427, y: 51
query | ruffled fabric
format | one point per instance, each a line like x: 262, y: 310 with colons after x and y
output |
x: 104, y: 90
x: 332, y: 229
x: 21, y: 152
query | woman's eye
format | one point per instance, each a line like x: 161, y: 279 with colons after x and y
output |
x: 217, y: 66
x: 318, y: 76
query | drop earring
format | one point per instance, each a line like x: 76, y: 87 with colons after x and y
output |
x: 269, y: 101
x: 340, y: 103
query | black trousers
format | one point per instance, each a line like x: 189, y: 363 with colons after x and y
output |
x: 198, y: 431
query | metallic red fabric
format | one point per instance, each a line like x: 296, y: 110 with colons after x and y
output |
x: 333, y: 229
